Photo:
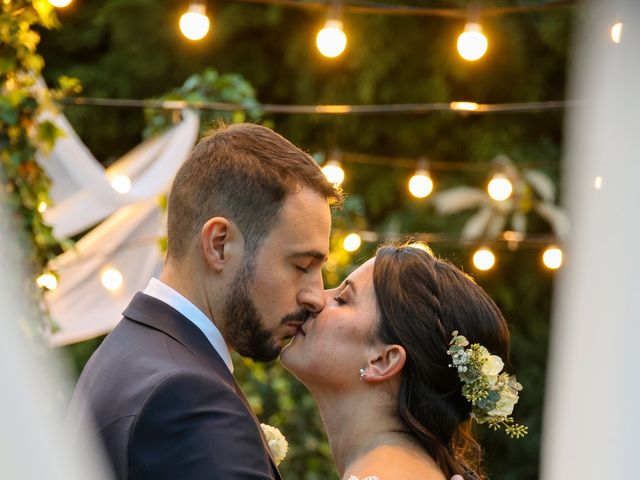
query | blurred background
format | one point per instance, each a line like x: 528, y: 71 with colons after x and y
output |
x: 263, y: 54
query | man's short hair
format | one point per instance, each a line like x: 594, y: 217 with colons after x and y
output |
x: 244, y: 173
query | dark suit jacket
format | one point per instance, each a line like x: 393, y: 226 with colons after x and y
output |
x: 166, y: 406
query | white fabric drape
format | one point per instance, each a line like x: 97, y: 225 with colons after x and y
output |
x: 126, y: 241
x: 82, y: 189
x: 591, y: 414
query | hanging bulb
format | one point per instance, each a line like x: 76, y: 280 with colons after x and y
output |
x: 499, y: 187
x: 472, y: 43
x: 42, y: 206
x: 48, y: 281
x: 111, y: 279
x: 484, y: 259
x: 331, y: 40
x: 333, y: 169
x: 552, y: 258
x: 121, y: 183
x: 616, y: 32
x: 352, y: 242
x: 194, y: 23
x: 60, y: 3
x: 421, y: 184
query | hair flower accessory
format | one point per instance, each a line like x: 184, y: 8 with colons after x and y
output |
x: 277, y: 443
x: 492, y: 394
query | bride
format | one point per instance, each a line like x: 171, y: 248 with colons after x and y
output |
x: 377, y: 360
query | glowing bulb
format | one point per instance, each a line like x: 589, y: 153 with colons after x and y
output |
x: 500, y: 188
x: 111, y: 279
x: 464, y: 106
x: 352, y: 242
x: 331, y: 40
x: 121, y: 184
x: 42, y: 207
x: 60, y: 3
x: 552, y: 258
x: 48, y: 281
x: 194, y: 24
x: 421, y: 185
x: 472, y: 43
x: 334, y: 172
x: 616, y: 32
x: 484, y: 259
x: 597, y: 183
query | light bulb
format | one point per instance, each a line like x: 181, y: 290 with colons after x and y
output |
x: 500, y: 188
x: 48, y: 281
x: 194, y: 23
x: 121, y: 183
x: 484, y: 259
x: 616, y: 32
x: 42, y: 207
x: 421, y: 185
x: 552, y: 258
x: 334, y: 172
x: 597, y: 183
x: 464, y: 106
x: 60, y: 3
x: 331, y: 40
x: 352, y: 242
x: 111, y: 279
x: 472, y: 43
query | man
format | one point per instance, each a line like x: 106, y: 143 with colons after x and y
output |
x: 248, y: 232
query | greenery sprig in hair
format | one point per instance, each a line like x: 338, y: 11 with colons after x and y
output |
x: 492, y: 394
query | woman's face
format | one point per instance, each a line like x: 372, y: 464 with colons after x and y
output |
x: 331, y: 347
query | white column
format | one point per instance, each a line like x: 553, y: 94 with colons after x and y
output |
x: 592, y: 411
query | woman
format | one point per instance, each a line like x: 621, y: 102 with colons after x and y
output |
x: 377, y: 360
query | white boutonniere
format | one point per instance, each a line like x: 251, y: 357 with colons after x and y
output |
x: 276, y: 441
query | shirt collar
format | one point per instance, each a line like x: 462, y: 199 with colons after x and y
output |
x: 163, y: 292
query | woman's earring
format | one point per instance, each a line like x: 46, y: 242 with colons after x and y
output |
x: 363, y: 373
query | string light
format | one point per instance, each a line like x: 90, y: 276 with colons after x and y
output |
x: 597, y: 183
x: 42, y: 206
x: 352, y: 242
x: 472, y: 43
x: 484, y: 259
x: 111, y: 279
x: 464, y: 106
x: 121, y: 183
x: 47, y: 280
x: 194, y: 23
x: 60, y: 3
x: 499, y: 187
x: 333, y: 169
x: 552, y: 258
x: 616, y: 32
x: 331, y: 40
x: 421, y: 184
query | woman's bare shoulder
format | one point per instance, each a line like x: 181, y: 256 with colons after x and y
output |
x: 394, y: 463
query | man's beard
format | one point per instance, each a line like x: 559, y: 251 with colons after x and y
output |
x: 244, y: 328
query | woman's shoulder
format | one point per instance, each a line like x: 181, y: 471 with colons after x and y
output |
x: 394, y: 463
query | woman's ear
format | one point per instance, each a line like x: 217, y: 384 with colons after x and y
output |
x: 216, y: 236
x: 389, y: 363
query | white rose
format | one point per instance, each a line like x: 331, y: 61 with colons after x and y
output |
x: 277, y: 443
x: 492, y: 366
x: 504, y: 406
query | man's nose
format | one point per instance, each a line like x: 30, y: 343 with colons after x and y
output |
x: 312, y: 296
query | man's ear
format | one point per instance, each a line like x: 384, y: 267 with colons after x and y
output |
x: 219, y: 238
x: 389, y: 362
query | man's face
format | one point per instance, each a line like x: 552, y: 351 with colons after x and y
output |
x: 276, y: 289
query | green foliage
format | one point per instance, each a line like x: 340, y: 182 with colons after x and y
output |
x: 133, y: 49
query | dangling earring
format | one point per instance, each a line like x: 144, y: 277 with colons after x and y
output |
x: 363, y: 373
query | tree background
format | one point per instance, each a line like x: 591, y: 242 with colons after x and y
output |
x: 133, y: 49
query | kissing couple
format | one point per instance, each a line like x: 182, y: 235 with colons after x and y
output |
x: 385, y: 354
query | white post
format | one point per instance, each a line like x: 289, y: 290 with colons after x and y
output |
x: 592, y: 419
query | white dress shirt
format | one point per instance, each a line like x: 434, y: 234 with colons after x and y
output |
x: 163, y: 292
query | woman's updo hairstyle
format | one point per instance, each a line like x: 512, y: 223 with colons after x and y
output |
x: 421, y: 301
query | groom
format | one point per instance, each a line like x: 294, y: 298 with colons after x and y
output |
x: 248, y: 233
